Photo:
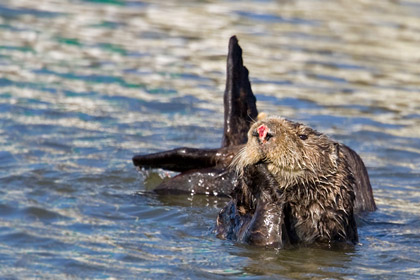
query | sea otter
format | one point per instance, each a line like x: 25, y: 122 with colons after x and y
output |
x: 295, y: 186
x: 207, y: 171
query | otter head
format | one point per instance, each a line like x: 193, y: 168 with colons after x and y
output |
x: 294, y: 153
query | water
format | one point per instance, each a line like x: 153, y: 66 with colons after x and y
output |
x: 85, y: 85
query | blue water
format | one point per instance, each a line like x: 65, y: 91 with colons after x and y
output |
x: 85, y: 85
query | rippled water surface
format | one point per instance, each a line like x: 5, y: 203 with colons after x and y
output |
x: 85, y: 85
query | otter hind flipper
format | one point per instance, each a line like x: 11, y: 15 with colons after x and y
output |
x: 240, y: 111
x: 185, y: 159
x: 239, y: 100
x: 179, y: 160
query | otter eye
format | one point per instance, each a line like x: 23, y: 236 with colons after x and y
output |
x: 303, y: 136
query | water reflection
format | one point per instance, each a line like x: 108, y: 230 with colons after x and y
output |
x: 85, y: 85
x: 298, y: 263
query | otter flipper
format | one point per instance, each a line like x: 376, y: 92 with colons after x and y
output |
x: 213, y: 181
x: 240, y: 111
x: 181, y: 159
x: 184, y: 159
x: 255, y: 213
x: 239, y: 101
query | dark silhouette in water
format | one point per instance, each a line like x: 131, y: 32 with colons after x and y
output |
x: 269, y: 206
x: 205, y: 171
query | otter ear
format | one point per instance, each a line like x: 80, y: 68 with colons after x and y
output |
x: 261, y: 116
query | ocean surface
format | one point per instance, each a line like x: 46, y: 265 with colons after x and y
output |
x: 87, y: 84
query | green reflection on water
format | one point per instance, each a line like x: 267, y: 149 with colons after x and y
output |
x: 113, y: 2
x: 69, y: 41
x: 114, y: 48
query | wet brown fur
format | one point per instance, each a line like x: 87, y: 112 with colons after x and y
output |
x: 297, y: 181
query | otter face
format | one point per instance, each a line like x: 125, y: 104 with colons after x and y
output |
x: 292, y: 151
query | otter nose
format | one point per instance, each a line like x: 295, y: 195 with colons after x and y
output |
x: 263, y: 133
